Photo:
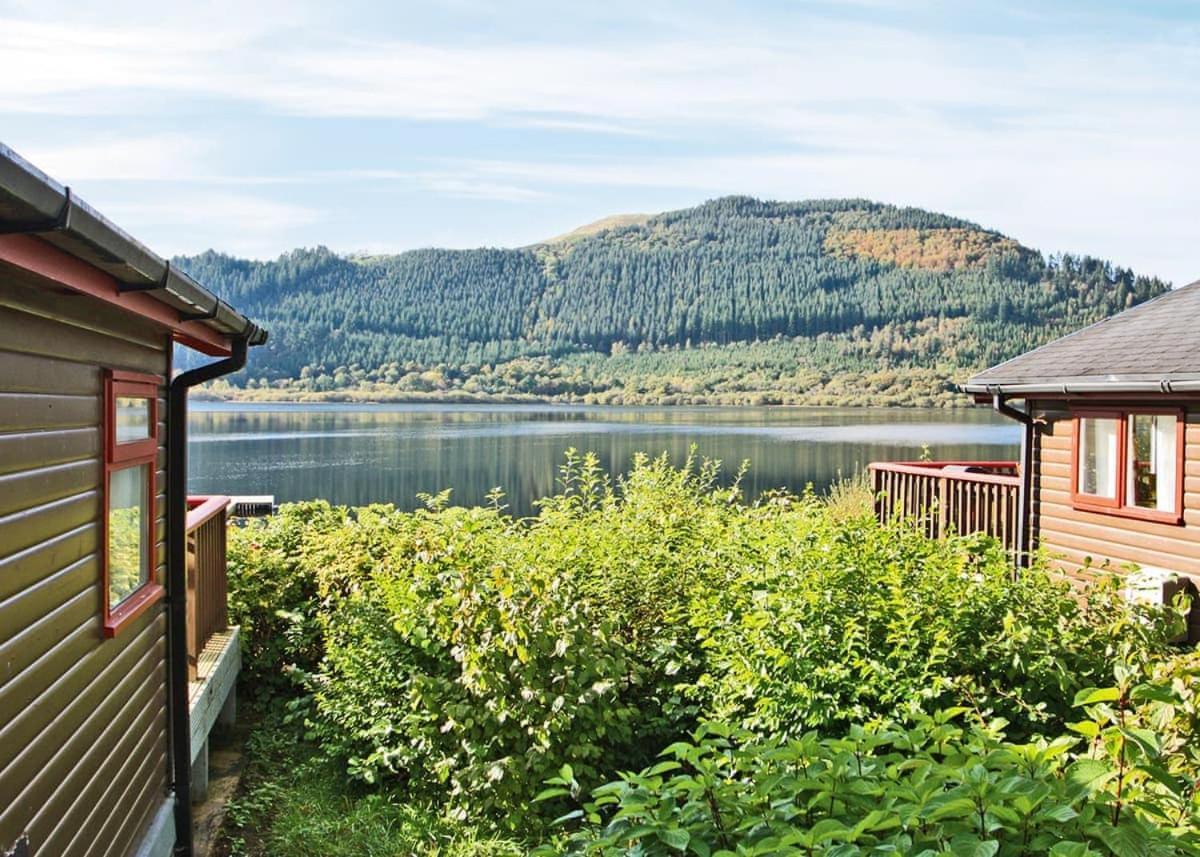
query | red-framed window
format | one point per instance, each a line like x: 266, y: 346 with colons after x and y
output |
x: 130, y: 584
x: 1129, y: 462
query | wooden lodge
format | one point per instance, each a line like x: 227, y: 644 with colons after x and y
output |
x: 116, y: 658
x: 1109, y: 476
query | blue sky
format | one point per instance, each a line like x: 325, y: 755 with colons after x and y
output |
x: 256, y: 127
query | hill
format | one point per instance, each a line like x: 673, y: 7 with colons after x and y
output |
x: 604, y: 224
x: 736, y: 300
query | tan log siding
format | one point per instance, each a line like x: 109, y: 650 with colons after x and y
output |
x: 83, y: 726
x: 1072, y: 536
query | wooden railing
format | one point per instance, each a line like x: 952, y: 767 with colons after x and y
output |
x: 206, y: 573
x: 952, y: 496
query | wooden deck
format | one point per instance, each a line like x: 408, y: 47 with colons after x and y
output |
x: 210, y: 696
x: 208, y: 662
x: 945, y: 497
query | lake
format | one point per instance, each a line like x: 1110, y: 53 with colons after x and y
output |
x: 356, y: 454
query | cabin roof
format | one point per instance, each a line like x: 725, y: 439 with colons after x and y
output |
x: 33, y: 204
x: 1152, y: 347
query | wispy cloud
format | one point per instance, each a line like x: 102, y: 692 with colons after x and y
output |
x: 1063, y: 132
x: 153, y: 157
x: 748, y: 77
x: 234, y: 222
x: 469, y: 184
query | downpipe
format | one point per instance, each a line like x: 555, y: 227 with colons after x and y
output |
x: 179, y: 717
x: 1025, y: 498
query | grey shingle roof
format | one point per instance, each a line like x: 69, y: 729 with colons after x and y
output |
x: 1152, y: 343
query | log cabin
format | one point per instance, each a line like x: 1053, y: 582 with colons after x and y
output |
x: 116, y: 658
x: 1109, y: 476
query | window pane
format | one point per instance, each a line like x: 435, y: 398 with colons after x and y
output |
x: 133, y: 418
x: 128, y: 532
x: 1152, y: 462
x: 1098, y: 456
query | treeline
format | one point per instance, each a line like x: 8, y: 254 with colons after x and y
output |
x: 844, y: 285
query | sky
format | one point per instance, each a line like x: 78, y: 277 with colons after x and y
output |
x: 257, y: 127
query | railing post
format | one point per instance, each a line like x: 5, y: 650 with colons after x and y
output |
x: 943, y: 505
x: 193, y: 650
x: 983, y: 498
x: 220, y: 590
x: 207, y: 584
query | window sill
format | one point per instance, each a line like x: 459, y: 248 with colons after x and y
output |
x: 132, y: 607
x: 1170, y: 518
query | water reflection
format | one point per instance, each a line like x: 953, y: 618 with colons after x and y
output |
x: 390, y: 453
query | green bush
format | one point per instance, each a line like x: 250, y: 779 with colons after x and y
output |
x: 463, y: 663
x: 469, y: 655
x: 849, y: 620
x: 1123, y: 784
x: 273, y: 591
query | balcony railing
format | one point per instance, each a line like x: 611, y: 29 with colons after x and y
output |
x: 952, y: 496
x: 206, y: 574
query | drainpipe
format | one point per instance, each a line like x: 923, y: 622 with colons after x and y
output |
x: 1025, y: 498
x: 180, y: 726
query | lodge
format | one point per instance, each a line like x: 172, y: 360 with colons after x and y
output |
x: 115, y: 656
x: 1109, y: 475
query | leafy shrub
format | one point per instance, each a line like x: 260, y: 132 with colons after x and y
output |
x: 470, y: 655
x: 477, y: 654
x: 273, y: 590
x: 464, y: 664
x: 852, y: 620
x: 931, y: 787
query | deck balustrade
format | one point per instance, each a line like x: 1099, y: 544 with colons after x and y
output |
x: 951, y: 496
x: 207, y: 613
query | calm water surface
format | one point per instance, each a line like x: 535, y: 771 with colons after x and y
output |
x: 357, y: 454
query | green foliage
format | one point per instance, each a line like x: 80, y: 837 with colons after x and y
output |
x: 467, y: 667
x: 1122, y: 785
x: 466, y: 656
x: 126, y: 553
x: 851, y: 621
x: 273, y: 564
x: 295, y: 802
x: 735, y: 300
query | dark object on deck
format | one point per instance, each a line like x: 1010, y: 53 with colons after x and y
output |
x: 253, y: 506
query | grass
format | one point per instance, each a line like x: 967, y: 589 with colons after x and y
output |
x: 850, y: 497
x: 294, y: 802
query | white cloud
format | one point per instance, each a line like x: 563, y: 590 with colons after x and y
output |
x: 1080, y: 142
x: 744, y: 77
x: 155, y: 157
x: 454, y: 182
x: 183, y: 222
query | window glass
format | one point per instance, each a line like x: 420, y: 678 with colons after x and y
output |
x: 1152, y: 462
x: 1098, y: 456
x: 128, y: 532
x: 133, y: 418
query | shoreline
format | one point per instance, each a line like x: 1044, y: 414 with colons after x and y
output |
x: 967, y: 404
x: 366, y: 398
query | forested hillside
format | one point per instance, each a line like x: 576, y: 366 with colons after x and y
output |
x: 736, y: 300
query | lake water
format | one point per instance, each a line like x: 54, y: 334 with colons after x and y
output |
x: 357, y: 454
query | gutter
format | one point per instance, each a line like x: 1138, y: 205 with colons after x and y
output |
x: 1025, y: 495
x: 177, y: 699
x: 1059, y: 388
x: 35, y: 204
